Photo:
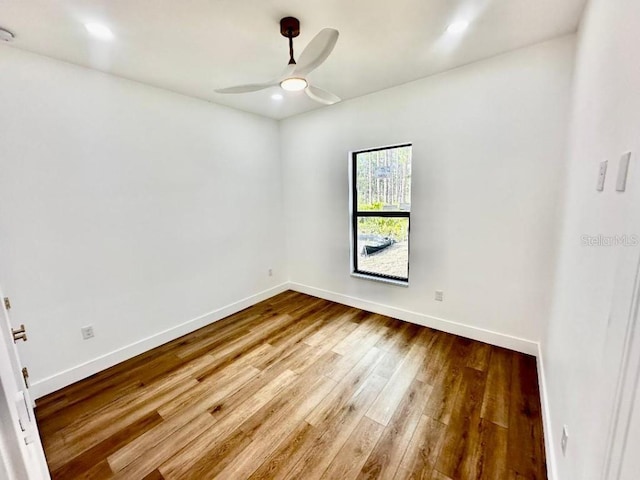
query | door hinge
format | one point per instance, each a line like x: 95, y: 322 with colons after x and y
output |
x: 7, y: 303
x: 25, y: 375
x: 19, y: 334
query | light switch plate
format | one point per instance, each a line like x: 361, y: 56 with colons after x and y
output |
x: 623, y: 168
x: 601, y: 175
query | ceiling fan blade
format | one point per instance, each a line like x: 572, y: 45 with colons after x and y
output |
x: 252, y: 87
x: 322, y: 96
x: 317, y: 51
x: 288, y: 71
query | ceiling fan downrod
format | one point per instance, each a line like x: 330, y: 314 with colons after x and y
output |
x: 290, y: 28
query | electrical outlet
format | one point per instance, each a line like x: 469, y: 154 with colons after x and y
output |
x: 270, y: 272
x: 87, y: 332
x: 439, y: 295
x: 565, y: 439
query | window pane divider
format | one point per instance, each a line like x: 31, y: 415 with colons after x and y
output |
x: 384, y: 213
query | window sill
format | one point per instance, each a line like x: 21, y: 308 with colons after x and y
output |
x: 399, y: 283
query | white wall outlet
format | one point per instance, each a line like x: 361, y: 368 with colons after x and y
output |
x: 565, y: 439
x: 271, y: 272
x: 439, y: 295
x: 87, y: 332
x: 602, y: 173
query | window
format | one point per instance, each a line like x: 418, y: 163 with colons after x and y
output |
x: 381, y: 208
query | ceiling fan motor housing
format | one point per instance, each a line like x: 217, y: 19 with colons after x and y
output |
x: 290, y: 27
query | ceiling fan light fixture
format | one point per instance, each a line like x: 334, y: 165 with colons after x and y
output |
x: 293, y: 84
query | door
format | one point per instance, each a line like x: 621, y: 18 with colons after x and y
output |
x: 21, y: 449
x: 631, y: 460
x: 622, y: 348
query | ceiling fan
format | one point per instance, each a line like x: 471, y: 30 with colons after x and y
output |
x: 293, y: 78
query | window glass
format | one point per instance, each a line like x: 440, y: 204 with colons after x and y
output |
x: 381, y: 205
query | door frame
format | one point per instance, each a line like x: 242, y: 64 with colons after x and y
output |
x: 20, y: 448
x: 13, y: 455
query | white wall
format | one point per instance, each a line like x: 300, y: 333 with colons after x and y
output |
x: 488, y: 160
x: 595, y: 284
x: 128, y: 208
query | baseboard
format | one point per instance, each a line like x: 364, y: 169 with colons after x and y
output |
x: 552, y: 473
x: 72, y: 375
x: 494, y: 338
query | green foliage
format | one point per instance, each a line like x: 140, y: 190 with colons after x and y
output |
x: 371, y: 206
x: 395, y: 228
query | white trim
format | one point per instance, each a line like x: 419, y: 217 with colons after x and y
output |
x: 488, y: 336
x: 552, y: 469
x: 74, y: 374
x: 399, y: 283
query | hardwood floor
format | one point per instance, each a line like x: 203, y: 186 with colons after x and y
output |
x: 302, y: 388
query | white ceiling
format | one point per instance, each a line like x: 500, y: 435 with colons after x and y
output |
x: 195, y: 46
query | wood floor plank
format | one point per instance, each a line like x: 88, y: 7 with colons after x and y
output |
x: 436, y: 357
x: 297, y: 387
x: 205, y: 394
x: 354, y: 339
x: 209, y: 463
x: 83, y: 463
x: 385, y: 405
x: 326, y: 333
x: 358, y: 350
x: 176, y: 418
x: 497, y: 395
x: 335, y: 432
x: 463, y: 436
x: 345, y: 388
x: 155, y: 475
x: 479, y: 356
x: 99, y: 471
x: 179, y: 465
x: 151, y: 459
x: 322, y: 356
x: 385, y: 459
x: 397, y: 344
x: 80, y: 437
x: 269, y: 426
x: 526, y: 440
x: 80, y: 408
x: 436, y: 475
x: 447, y: 383
x: 490, y: 456
x: 234, y: 350
x: 287, y: 453
x: 423, y: 450
x: 349, y: 460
